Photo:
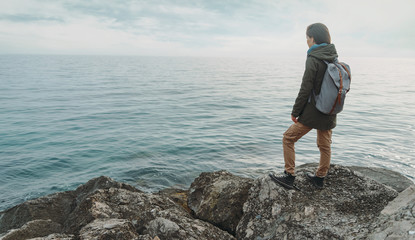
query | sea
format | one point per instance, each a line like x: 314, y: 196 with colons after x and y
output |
x: 158, y: 122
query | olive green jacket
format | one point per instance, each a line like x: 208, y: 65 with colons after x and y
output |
x: 315, y: 68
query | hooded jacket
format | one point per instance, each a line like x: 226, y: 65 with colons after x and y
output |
x: 315, y: 68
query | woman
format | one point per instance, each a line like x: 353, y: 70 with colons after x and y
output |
x: 305, y: 115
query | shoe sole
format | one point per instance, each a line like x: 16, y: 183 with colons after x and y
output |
x: 279, y: 182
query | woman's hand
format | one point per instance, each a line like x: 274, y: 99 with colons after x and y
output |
x: 294, y: 119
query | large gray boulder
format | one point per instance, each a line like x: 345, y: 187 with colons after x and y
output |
x: 397, y: 219
x: 344, y: 209
x: 218, y: 197
x: 388, y: 177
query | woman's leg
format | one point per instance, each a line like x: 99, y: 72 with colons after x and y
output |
x: 291, y: 136
x: 324, y: 145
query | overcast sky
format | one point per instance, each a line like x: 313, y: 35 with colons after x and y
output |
x: 204, y: 27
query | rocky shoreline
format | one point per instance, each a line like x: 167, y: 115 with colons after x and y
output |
x: 356, y: 203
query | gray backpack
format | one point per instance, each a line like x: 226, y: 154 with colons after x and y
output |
x: 335, y: 85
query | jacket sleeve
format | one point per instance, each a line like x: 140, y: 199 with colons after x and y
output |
x: 306, y: 87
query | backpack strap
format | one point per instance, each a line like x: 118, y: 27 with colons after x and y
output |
x: 347, y: 70
x: 348, y: 73
x: 339, y: 94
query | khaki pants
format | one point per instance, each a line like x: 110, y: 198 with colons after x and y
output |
x: 293, y: 134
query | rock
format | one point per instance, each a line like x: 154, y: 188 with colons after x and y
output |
x: 33, y: 229
x: 55, y: 207
x: 108, y: 229
x: 344, y: 209
x: 397, y: 220
x: 390, y: 178
x: 218, y: 197
x: 142, y: 209
x: 351, y: 206
x: 105, y: 209
x: 55, y: 236
x: 164, y: 227
x: 179, y: 196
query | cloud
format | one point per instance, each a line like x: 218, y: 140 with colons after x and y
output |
x: 207, y: 28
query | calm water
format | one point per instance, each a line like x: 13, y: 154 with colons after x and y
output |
x: 158, y: 122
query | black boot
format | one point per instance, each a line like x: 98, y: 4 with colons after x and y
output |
x: 316, y: 181
x: 285, y: 179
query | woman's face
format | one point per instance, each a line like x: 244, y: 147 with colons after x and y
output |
x: 310, y: 41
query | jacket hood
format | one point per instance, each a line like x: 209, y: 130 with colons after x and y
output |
x: 327, y: 53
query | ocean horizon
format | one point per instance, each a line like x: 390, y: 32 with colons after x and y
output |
x: 158, y: 122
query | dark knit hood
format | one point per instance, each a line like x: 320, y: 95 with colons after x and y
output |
x: 327, y: 53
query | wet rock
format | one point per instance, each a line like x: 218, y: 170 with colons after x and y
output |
x: 344, y: 209
x: 218, y: 197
